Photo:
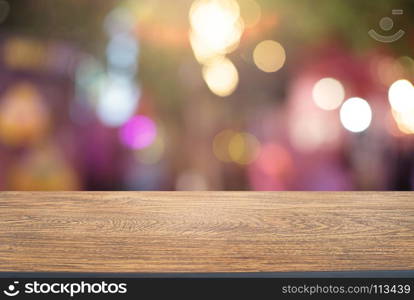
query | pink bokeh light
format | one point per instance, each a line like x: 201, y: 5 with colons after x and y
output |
x: 139, y: 132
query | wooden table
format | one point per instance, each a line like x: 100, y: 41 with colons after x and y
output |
x: 206, y: 231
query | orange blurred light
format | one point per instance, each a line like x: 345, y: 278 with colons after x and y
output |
x: 24, y: 117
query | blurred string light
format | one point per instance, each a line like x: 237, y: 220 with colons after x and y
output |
x: 239, y: 147
x: 401, y: 97
x: 356, y: 114
x: 269, y: 56
x: 221, y: 76
x: 24, y: 116
x: 216, y: 29
x: 138, y: 133
x: 119, y: 95
x: 328, y: 93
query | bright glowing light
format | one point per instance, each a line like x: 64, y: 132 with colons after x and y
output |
x: 404, y: 120
x: 250, y: 11
x: 138, y: 133
x: 243, y: 148
x: 401, y: 96
x: 269, y: 56
x: 202, y: 53
x: 221, y: 76
x: 118, y: 101
x: 356, y: 115
x: 328, y: 93
x: 216, y: 26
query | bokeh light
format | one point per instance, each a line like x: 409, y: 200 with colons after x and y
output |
x: 328, y: 93
x: 122, y: 51
x: 138, y: 133
x: 118, y: 101
x: 401, y: 96
x: 356, y: 114
x: 274, y: 160
x: 216, y: 27
x: 153, y: 153
x: 251, y: 12
x: 404, y: 120
x: 24, y: 116
x: 313, y: 131
x: 90, y: 80
x: 221, y: 76
x: 130, y: 98
x: 243, y: 148
x: 221, y: 145
x: 43, y: 168
x: 269, y: 56
x: 24, y: 54
x: 119, y: 21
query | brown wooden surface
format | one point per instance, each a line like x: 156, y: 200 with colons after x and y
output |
x: 206, y: 231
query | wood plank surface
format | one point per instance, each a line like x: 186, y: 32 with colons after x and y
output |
x: 206, y: 231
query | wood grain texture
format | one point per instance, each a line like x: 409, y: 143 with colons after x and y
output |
x: 206, y: 231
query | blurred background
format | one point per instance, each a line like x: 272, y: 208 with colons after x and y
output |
x: 206, y: 95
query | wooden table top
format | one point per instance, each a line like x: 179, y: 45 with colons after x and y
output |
x: 206, y: 231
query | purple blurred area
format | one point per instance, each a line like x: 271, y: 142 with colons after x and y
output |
x: 206, y: 95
